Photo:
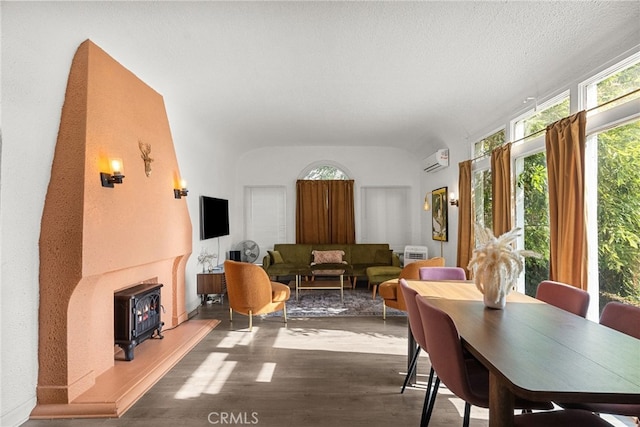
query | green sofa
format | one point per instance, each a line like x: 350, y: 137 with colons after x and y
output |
x: 290, y: 259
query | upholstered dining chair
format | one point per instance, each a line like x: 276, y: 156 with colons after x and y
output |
x: 469, y: 380
x: 425, y: 273
x: 566, y: 297
x: 442, y: 273
x: 415, y: 324
x: 391, y: 294
x: 251, y: 292
x: 624, y: 318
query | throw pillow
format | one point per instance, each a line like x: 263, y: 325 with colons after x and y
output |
x: 328, y: 257
x: 276, y: 257
x: 382, y: 256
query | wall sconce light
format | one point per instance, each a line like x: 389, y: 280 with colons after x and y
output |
x: 426, y: 205
x: 452, y: 199
x: 115, y: 177
x: 181, y: 192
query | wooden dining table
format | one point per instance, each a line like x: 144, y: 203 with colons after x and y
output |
x: 537, y: 351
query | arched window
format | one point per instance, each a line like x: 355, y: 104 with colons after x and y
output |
x: 324, y: 172
x: 324, y: 205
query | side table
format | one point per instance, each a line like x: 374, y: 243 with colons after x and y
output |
x: 213, y: 283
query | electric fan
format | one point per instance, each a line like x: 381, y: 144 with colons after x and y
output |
x: 249, y: 251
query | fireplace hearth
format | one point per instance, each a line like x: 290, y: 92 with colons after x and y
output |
x: 136, y: 315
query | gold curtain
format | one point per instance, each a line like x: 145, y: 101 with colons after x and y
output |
x: 341, y: 212
x: 325, y: 211
x: 466, y: 233
x: 565, y: 143
x: 501, y: 189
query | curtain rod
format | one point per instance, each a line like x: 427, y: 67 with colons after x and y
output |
x: 536, y: 133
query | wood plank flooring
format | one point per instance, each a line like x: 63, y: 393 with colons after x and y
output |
x: 334, y: 372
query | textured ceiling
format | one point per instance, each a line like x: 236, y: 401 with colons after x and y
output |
x: 416, y: 75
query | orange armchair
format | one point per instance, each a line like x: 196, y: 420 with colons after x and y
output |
x: 390, y: 291
x: 250, y: 291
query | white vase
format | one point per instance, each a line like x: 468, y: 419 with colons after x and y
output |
x: 493, y: 297
x: 493, y: 301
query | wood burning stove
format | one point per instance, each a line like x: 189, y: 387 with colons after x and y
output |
x: 136, y: 316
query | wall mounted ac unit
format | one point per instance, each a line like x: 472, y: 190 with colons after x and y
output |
x: 415, y: 253
x: 436, y: 161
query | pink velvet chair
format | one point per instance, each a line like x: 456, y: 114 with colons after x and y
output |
x: 469, y: 380
x: 442, y: 273
x: 415, y: 324
x: 624, y: 318
x: 566, y: 297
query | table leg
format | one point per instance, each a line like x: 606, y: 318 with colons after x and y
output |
x: 500, y: 403
x: 412, y: 348
x: 342, y: 288
x: 297, y: 285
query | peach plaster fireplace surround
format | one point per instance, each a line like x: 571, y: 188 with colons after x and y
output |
x: 95, y: 241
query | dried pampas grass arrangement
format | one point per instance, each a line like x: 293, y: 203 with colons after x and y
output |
x: 496, y: 265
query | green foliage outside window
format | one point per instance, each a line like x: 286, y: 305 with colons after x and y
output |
x: 619, y: 214
x: 485, y: 146
x: 618, y: 195
x: 533, y: 182
x: 619, y: 84
x: 482, y: 180
x: 326, y: 172
x: 540, y: 120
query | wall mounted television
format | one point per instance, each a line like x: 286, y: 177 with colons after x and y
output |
x: 214, y: 217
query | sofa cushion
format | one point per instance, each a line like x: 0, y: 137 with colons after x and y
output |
x: 293, y: 253
x: 365, y: 253
x: 383, y: 257
x: 328, y: 257
x: 276, y: 257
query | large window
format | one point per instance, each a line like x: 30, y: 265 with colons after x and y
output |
x: 530, y: 125
x: 532, y: 201
x: 610, y: 88
x: 613, y: 150
x: 532, y: 215
x: 326, y: 172
x: 612, y: 182
x: 482, y: 196
x: 484, y: 147
x: 618, y: 213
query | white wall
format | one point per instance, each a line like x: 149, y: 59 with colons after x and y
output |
x: 367, y: 166
x: 36, y: 57
x: 209, y: 169
x: 447, y: 177
x: 34, y: 76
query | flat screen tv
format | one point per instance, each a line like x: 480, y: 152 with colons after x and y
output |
x: 214, y: 217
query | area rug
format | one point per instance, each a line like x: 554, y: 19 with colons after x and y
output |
x: 326, y: 303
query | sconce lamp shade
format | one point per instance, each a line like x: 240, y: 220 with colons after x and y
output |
x: 426, y: 205
x: 115, y: 177
x: 181, y: 192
